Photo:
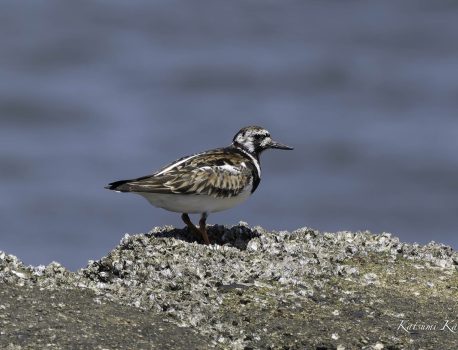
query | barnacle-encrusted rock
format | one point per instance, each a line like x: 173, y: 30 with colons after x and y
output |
x: 260, y: 289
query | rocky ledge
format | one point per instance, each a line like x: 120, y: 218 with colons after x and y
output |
x: 252, y: 289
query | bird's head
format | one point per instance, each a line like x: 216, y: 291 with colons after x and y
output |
x: 255, y: 139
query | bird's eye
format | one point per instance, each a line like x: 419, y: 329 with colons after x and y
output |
x: 257, y: 136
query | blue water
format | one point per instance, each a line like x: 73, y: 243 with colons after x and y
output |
x: 94, y: 91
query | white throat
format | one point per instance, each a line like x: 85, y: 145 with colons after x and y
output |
x: 255, y: 161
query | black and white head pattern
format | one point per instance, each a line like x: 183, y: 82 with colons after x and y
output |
x: 253, y: 139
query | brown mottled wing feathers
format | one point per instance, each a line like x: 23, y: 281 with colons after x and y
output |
x: 219, y: 173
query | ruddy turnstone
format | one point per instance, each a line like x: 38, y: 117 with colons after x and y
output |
x: 206, y: 182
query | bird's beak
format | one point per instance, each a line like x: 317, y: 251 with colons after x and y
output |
x: 278, y: 145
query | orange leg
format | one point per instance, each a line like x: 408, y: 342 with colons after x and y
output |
x: 200, y: 233
x: 203, y: 227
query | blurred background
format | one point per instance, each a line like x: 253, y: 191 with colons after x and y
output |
x: 97, y: 91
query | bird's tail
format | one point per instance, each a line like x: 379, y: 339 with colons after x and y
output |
x: 120, y: 186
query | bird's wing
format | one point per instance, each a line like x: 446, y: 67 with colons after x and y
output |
x: 219, y: 173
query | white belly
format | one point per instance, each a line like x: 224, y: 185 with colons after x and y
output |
x: 192, y: 203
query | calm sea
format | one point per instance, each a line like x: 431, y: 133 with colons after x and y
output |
x: 95, y: 91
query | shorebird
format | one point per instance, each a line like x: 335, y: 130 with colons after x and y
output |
x: 206, y: 182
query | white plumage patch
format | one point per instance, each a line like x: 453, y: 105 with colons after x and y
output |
x: 193, y: 204
x: 176, y: 164
x: 254, y: 160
